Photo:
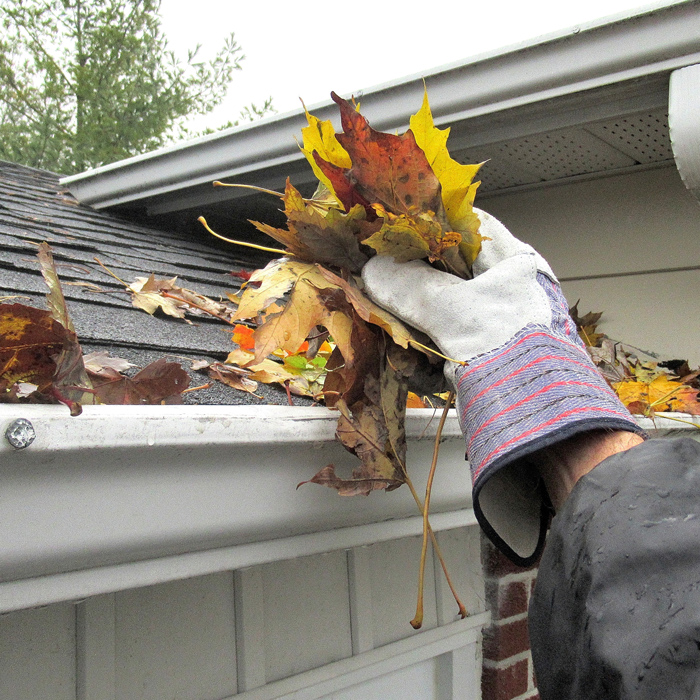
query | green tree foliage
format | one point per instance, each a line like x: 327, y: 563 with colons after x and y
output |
x: 88, y: 82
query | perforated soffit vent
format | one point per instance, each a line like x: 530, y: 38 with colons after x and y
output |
x: 636, y: 140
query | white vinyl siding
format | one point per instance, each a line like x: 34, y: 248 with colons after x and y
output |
x: 332, y: 626
x: 644, y: 222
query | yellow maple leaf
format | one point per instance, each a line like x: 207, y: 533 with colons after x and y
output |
x: 659, y: 395
x: 276, y: 279
x: 320, y: 136
x: 456, y: 180
x: 411, y: 237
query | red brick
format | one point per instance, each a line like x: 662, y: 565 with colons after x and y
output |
x: 512, y: 599
x: 496, y: 563
x: 503, y: 641
x: 533, y: 696
x: 504, y: 683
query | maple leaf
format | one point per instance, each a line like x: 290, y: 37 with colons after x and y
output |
x: 369, y: 311
x: 70, y: 380
x: 235, y: 377
x: 373, y: 428
x: 243, y: 336
x: 413, y: 237
x: 147, y: 294
x: 55, y: 299
x: 30, y: 339
x: 160, y: 381
x: 288, y: 329
x: 386, y: 169
x: 660, y: 394
x: 36, y: 349
x: 587, y: 326
x: 326, y: 236
x: 456, y: 180
x: 95, y: 361
x: 319, y: 136
x: 415, y: 401
x: 303, y: 380
x: 276, y: 279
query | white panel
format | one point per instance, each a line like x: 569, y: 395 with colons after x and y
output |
x: 641, y: 221
x: 652, y: 312
x: 394, y: 574
x: 250, y: 628
x: 37, y: 654
x: 459, y: 674
x: 351, y: 672
x: 96, y: 650
x: 643, y: 137
x: 417, y: 682
x: 361, y: 614
x: 176, y: 641
x: 461, y: 550
x: 307, y: 614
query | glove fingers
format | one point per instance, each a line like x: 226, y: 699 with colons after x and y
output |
x: 414, y: 291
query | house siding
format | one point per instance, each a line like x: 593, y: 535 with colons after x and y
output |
x: 645, y: 223
x: 263, y: 632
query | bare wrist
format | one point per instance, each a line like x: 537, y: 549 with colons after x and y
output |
x: 563, y: 464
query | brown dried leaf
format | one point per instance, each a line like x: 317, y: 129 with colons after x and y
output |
x: 159, y: 382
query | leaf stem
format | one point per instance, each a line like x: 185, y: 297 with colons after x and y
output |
x: 109, y: 272
x: 245, y: 244
x: 417, y: 621
x: 439, y: 354
x: 264, y: 190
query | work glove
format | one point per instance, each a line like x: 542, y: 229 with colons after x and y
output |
x: 529, y: 382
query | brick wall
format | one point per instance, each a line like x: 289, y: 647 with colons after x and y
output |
x: 507, y: 670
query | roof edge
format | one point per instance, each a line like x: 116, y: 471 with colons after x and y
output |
x: 660, y: 38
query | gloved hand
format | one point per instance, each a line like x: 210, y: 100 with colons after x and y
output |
x: 529, y: 382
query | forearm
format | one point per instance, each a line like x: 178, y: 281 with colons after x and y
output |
x: 563, y: 464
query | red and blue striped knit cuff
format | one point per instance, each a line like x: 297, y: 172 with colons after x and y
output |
x: 538, y: 389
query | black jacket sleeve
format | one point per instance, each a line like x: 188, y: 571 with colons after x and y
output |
x: 616, y: 610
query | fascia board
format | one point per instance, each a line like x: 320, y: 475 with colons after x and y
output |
x: 123, y: 496
x: 659, y: 40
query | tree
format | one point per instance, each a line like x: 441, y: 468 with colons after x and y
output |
x: 88, y: 82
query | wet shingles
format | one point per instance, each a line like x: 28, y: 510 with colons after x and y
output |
x: 33, y: 208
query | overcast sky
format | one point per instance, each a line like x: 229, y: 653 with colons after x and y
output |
x: 296, y: 49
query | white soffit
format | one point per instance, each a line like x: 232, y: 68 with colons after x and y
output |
x: 684, y: 124
x: 602, y: 71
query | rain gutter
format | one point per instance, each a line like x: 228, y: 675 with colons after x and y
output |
x: 623, y: 54
x: 128, y: 496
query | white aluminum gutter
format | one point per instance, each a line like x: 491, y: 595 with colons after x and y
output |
x: 610, y: 52
x: 129, y: 496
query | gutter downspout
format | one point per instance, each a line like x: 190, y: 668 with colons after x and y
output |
x: 684, y: 124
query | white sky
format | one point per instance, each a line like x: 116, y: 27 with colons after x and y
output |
x: 307, y: 49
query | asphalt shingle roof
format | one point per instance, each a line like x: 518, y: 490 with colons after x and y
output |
x: 35, y: 208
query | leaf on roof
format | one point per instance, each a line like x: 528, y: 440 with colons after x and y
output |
x: 159, y: 382
x: 55, y: 299
x: 96, y: 361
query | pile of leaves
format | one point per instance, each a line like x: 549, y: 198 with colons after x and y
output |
x: 645, y: 385
x: 378, y: 194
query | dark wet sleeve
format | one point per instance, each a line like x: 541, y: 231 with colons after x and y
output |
x: 616, y: 609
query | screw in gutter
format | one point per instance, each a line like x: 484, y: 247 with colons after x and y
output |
x: 20, y: 433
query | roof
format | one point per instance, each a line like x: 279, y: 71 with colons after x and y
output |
x: 586, y: 102
x: 35, y: 208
